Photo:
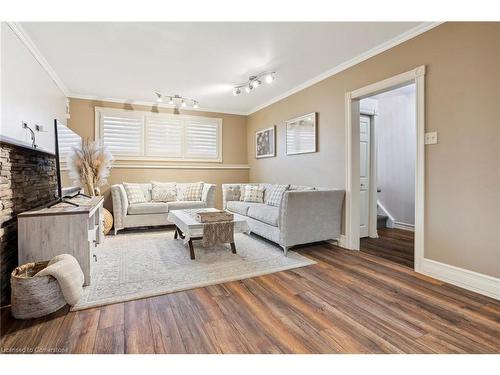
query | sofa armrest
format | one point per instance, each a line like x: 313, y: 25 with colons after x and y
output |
x: 310, y: 216
x: 120, y: 205
x: 208, y: 195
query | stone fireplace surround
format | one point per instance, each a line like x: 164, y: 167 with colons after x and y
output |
x: 27, y: 180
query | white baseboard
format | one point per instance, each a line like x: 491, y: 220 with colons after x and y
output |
x: 404, y: 226
x: 470, y: 280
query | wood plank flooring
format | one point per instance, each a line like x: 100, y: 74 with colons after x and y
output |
x: 349, y: 302
x: 396, y: 245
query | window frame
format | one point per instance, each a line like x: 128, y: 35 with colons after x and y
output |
x: 144, y: 115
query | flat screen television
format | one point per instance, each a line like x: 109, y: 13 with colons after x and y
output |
x: 65, y: 140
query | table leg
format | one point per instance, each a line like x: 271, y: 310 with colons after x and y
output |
x: 191, y: 249
x: 233, y: 247
x: 176, y: 233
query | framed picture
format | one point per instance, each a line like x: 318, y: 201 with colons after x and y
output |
x: 301, y: 134
x: 265, y: 143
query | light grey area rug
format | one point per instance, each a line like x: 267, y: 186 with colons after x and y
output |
x: 139, y: 265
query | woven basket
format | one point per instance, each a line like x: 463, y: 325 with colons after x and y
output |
x: 33, y: 297
x: 108, y: 221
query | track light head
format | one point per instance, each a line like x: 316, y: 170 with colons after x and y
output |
x: 269, y: 77
x: 236, y: 91
x: 159, y: 97
x: 195, y: 104
x: 183, y: 103
x: 248, y: 88
x: 255, y: 83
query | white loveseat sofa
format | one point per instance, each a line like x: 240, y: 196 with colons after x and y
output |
x: 305, y: 215
x: 150, y: 213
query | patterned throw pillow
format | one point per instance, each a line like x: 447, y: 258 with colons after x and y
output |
x: 254, y: 193
x: 275, y: 193
x: 163, y: 191
x: 135, y: 194
x: 192, y: 192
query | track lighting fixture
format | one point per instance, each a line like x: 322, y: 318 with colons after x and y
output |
x: 177, y: 100
x: 254, y: 82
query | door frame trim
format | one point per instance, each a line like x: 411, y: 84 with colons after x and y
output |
x: 352, y: 111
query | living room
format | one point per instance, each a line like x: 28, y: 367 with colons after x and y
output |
x: 224, y: 200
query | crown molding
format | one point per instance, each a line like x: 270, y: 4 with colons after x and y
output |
x: 28, y: 42
x: 153, y: 104
x: 420, y: 29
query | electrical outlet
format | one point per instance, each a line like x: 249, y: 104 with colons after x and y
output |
x: 431, y: 138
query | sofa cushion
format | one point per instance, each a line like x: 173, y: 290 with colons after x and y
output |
x: 263, y: 212
x: 163, y: 191
x: 135, y: 193
x: 190, y: 191
x: 239, y: 207
x: 275, y: 193
x: 182, y: 205
x: 147, y: 208
x: 254, y: 194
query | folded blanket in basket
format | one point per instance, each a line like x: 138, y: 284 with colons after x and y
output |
x: 67, y: 271
x: 218, y: 233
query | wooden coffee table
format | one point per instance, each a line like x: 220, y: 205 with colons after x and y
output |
x: 189, y: 229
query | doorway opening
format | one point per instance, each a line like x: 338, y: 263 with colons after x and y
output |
x: 361, y: 180
x: 387, y: 135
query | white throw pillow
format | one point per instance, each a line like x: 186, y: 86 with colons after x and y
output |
x: 163, y: 191
x: 254, y: 193
x: 192, y: 192
x: 135, y: 193
x: 274, y: 194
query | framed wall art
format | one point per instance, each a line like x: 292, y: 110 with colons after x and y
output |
x: 301, y: 134
x: 265, y: 143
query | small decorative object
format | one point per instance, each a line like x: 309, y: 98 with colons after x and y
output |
x: 90, y: 166
x: 301, y: 134
x: 265, y: 142
x: 108, y: 221
x: 210, y: 217
x: 33, y: 297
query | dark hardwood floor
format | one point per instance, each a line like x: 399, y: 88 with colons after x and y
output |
x: 349, y: 302
x: 396, y: 245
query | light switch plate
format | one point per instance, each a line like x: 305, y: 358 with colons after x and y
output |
x: 431, y: 138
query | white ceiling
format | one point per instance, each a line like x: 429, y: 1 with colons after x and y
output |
x: 129, y: 61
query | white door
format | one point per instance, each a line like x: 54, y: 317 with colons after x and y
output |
x: 364, y: 174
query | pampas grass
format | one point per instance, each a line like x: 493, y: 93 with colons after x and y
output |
x: 90, y: 166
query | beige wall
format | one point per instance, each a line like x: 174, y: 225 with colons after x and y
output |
x: 234, y: 150
x: 462, y: 204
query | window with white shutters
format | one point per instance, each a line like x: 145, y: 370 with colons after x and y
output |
x: 201, y: 140
x: 138, y: 135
